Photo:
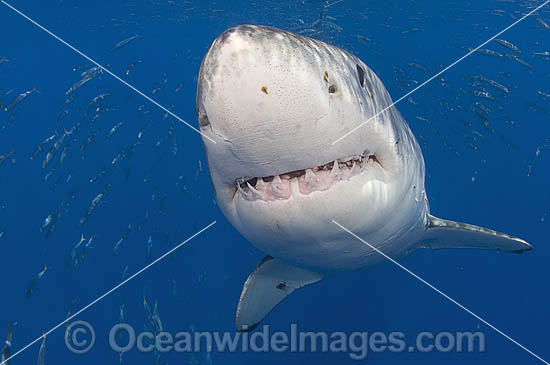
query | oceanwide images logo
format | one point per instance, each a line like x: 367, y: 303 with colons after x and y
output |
x: 80, y: 338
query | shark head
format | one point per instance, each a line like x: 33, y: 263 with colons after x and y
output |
x: 275, y: 103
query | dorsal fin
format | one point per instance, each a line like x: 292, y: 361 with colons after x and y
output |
x: 442, y: 233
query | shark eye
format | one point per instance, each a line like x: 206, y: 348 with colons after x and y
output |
x: 331, y: 89
x: 361, y: 74
x: 203, y: 120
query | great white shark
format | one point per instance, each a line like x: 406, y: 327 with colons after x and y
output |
x: 274, y: 102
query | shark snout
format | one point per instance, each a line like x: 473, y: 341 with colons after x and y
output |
x: 255, y: 81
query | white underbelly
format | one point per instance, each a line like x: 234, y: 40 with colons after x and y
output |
x: 345, y: 253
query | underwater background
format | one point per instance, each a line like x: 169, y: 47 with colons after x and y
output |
x: 96, y: 182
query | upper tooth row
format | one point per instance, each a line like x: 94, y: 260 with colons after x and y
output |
x: 358, y: 157
x: 309, y: 173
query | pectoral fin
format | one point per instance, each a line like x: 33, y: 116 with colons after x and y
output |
x: 270, y: 282
x: 443, y: 233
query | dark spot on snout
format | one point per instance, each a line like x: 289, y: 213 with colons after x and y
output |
x: 264, y: 90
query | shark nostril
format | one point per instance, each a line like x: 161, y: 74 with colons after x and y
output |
x: 331, y: 89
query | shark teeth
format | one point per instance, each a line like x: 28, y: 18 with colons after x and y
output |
x: 255, y: 192
x: 241, y: 190
x: 311, y: 179
x: 276, y: 191
x: 306, y: 181
x: 354, y: 169
x: 280, y: 189
x: 335, y: 168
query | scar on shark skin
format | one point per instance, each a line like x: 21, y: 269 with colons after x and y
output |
x: 264, y: 89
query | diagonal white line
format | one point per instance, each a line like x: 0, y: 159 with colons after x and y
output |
x: 441, y: 293
x: 5, y: 362
x: 106, y: 70
x: 442, y: 71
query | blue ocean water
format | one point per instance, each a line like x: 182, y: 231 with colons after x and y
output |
x: 487, y: 158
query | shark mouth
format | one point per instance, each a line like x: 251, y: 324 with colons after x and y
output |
x: 319, y: 178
